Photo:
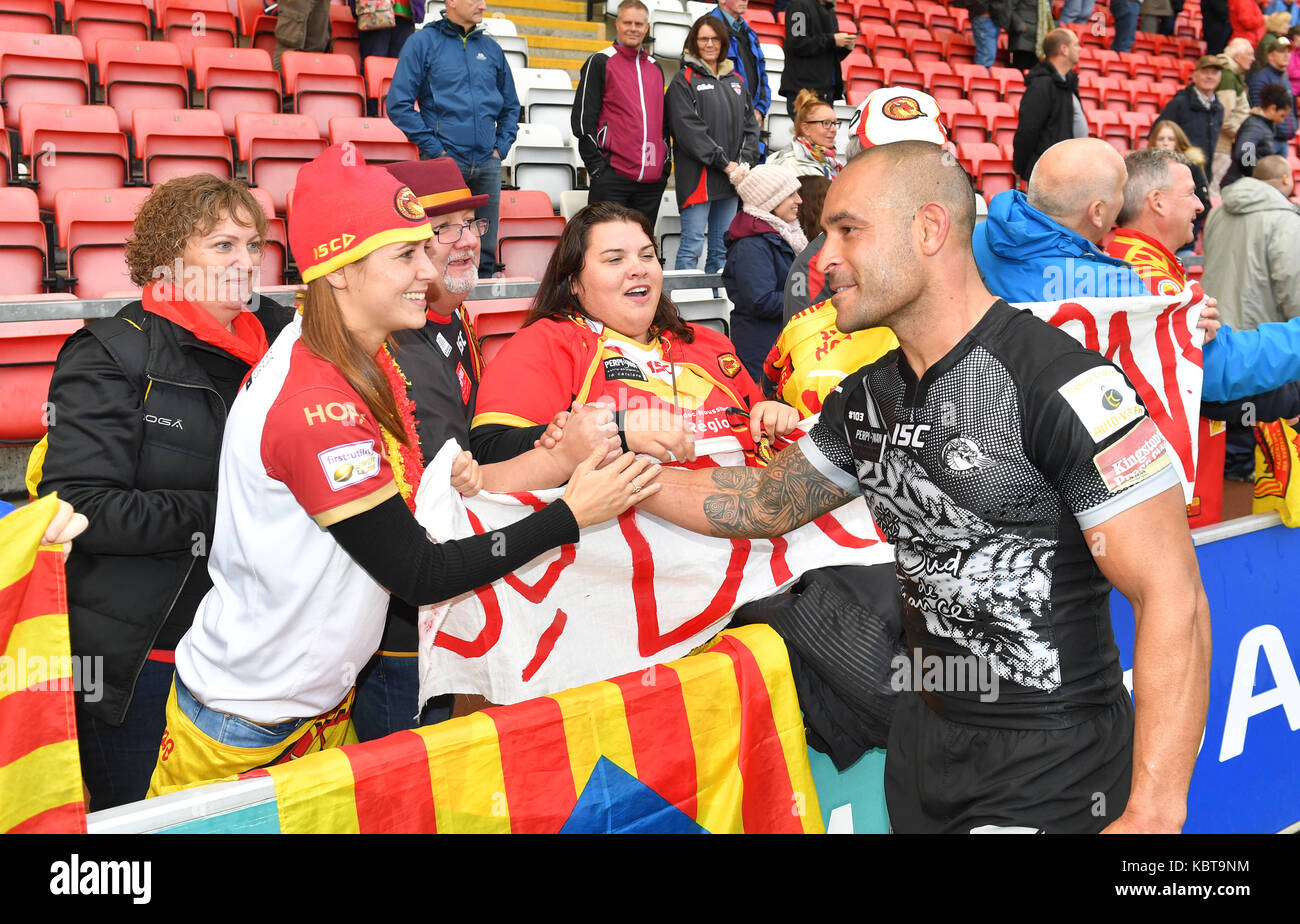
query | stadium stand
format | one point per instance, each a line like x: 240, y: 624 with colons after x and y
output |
x: 323, y: 86
x: 138, y: 75
x: 93, y: 225
x: 23, y: 247
x: 181, y: 142
x: 41, y: 68
x: 73, y: 147
x: 235, y: 80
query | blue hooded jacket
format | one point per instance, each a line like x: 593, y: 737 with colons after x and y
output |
x: 757, y: 84
x: 1025, y: 256
x: 468, y: 104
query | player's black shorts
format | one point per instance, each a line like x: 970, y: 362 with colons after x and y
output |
x: 947, y: 777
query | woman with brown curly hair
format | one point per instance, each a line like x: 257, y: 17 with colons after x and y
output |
x: 138, y: 406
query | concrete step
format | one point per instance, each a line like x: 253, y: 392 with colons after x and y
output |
x: 564, y: 46
x: 531, y: 26
x: 567, y: 9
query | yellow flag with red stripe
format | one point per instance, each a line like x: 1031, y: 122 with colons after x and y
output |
x: 1277, y: 471
x: 714, y: 740
x: 40, y: 768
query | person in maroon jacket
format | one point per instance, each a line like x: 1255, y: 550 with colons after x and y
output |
x: 618, y: 119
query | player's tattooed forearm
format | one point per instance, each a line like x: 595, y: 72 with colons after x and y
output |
x: 769, y: 502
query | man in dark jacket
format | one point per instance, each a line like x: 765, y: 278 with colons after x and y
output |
x: 1215, y: 25
x: 1255, y: 138
x: 1196, y: 108
x: 813, y: 52
x: 1275, y: 71
x: 618, y: 119
x: 1050, y: 110
x: 746, y: 53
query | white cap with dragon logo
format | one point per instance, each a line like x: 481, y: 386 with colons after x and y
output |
x: 896, y: 114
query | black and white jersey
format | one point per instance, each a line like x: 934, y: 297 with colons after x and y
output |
x: 984, y: 474
x: 441, y: 361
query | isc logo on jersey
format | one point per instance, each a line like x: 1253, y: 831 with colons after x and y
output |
x: 1102, y: 400
x: 349, y: 464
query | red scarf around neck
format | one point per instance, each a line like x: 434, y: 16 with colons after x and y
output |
x: 248, y: 342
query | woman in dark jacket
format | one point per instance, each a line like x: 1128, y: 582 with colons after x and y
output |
x: 140, y: 404
x: 761, y: 245
x: 711, y: 117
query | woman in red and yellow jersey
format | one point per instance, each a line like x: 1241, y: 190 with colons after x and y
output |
x: 602, y: 331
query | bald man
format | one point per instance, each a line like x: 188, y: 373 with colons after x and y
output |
x: 1044, y: 246
x: 1016, y: 473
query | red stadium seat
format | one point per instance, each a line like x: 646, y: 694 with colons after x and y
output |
x: 27, y: 353
x: 922, y: 50
x: 968, y: 128
x: 525, y: 245
x: 142, y: 75
x: 1139, y: 126
x: 901, y: 73
x: 1002, y: 129
x: 181, y: 142
x: 378, y: 140
x: 275, y: 147
x: 23, y: 248
x: 526, y: 203
x: 275, y: 252
x: 862, y: 81
x: 871, y: 12
x: 903, y: 11
x: 1147, y: 101
x: 94, y: 20
x: 28, y: 16
x: 495, y: 320
x: 259, y: 27
x: 344, y: 37
x: 379, y: 76
x: 190, y: 24
x: 6, y: 159
x: 323, y: 86
x: 940, y: 81
x: 235, y: 80
x: 93, y: 225
x: 888, y: 46
x: 41, y: 68
x: 958, y: 49
x: 73, y: 146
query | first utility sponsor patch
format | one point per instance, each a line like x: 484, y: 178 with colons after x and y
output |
x: 1103, y: 401
x: 350, y: 463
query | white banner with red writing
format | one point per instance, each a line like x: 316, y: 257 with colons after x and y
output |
x: 1157, y: 344
x: 635, y: 591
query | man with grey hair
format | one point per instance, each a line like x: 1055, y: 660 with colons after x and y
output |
x: 1157, y: 218
x: 1237, y: 59
x: 1044, y: 246
x: 1252, y: 248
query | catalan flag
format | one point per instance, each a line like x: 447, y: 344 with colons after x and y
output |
x: 1277, y: 471
x: 40, y: 769
x: 711, y: 743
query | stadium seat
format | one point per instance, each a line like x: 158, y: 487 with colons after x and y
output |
x: 93, y: 225
x: 1147, y: 101
x: 1002, y: 128
x: 275, y: 253
x: 940, y: 80
x: 6, y: 159
x: 871, y: 13
x: 95, y: 20
x: 958, y: 48
x: 190, y: 24
x: 541, y: 158
x: 572, y: 201
x: 1139, y: 125
x: 29, y: 16
x: 377, y: 140
x: 496, y: 319
x: 257, y: 25
x: 344, y: 38
x: 379, y: 76
x: 904, y: 11
x: 142, y: 75
x: 768, y: 31
x: 23, y: 248
x: 181, y: 142
x: 900, y: 73
x: 41, y: 68
x: 1114, y: 94
x: 861, y: 81
x: 525, y: 203
x: 780, y: 129
x: 27, y: 353
x: 968, y: 128
x: 323, y: 86
x: 275, y: 146
x: 235, y: 80
x: 515, y: 48
x: 668, y: 31
x: 73, y: 146
x: 525, y: 245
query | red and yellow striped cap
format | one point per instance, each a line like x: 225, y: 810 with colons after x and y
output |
x: 344, y: 209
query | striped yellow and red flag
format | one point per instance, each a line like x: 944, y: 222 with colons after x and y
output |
x: 1277, y: 471
x: 40, y: 769
x: 715, y: 740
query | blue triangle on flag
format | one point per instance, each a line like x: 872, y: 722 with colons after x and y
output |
x: 615, y: 802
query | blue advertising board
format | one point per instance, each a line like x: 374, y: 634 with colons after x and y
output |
x: 1247, y: 776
